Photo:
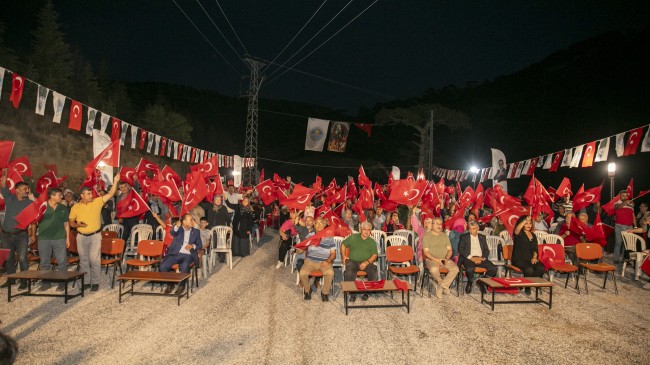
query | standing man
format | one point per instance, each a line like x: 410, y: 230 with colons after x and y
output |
x: 85, y: 216
x: 625, y: 219
x: 13, y: 238
x: 363, y: 252
x: 54, y: 235
x: 473, y: 252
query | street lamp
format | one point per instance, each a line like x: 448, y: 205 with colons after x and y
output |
x: 611, y: 172
x: 474, y: 170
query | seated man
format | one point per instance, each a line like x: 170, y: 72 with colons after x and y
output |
x: 319, y: 258
x: 436, y: 248
x: 473, y: 252
x: 183, y: 250
x: 363, y: 252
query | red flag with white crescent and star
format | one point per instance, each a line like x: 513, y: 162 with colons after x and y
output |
x: 587, y: 197
x: 48, y: 180
x: 196, y: 191
x: 32, y: 213
x: 633, y: 141
x: 563, y: 189
x: 110, y: 156
x: 75, y: 116
x: 363, y: 179
x: 163, y: 146
x: 590, y: 152
x: 127, y: 174
x: 169, y: 174
x: 22, y: 166
x: 116, y: 126
x: 210, y: 167
x: 5, y: 153
x: 17, y: 86
x: 143, y: 138
x: 166, y: 189
x: 132, y: 205
x: 144, y: 166
x: 557, y: 160
x: 407, y: 192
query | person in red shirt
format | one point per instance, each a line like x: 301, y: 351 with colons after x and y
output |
x: 625, y: 219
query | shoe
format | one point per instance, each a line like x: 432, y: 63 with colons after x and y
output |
x: 438, y: 291
x: 527, y: 291
x: 468, y: 288
x: 22, y: 286
x: 353, y: 298
x: 180, y: 290
x: 364, y: 297
x: 87, y: 287
x: 45, y: 287
x: 324, y: 298
x: 169, y: 289
x: 279, y: 264
x: 60, y: 287
x: 445, y: 291
x: 94, y: 287
x: 307, y: 295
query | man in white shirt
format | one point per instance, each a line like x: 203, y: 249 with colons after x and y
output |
x: 473, y: 252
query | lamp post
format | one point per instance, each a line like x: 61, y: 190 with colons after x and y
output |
x: 611, y: 172
x: 474, y: 170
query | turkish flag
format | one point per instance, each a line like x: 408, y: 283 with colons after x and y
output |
x: 166, y: 189
x: 333, y: 218
x: 563, y: 189
x: 144, y: 166
x: 219, y: 187
x: 195, y: 192
x: 17, y: 86
x: 363, y: 179
x: 46, y: 181
x: 13, y: 177
x: 366, y: 128
x: 587, y: 197
x: 530, y: 196
x: 163, y: 146
x: 557, y: 160
x: 532, y: 166
x: 169, y: 174
x: 352, y: 189
x: 22, y: 166
x: 75, y: 116
x: 210, y: 167
x: 633, y: 141
x: 280, y: 182
x: 51, y: 167
x: 358, y: 208
x: 213, y: 185
x: 388, y: 205
x: 318, y: 184
x: 588, y: 157
x: 630, y: 189
x: 466, y: 198
x: 379, y: 192
x: 609, y: 207
x: 116, y: 132
x: 143, y: 138
x: 110, y: 156
x: 300, y: 198
x: 5, y: 153
x: 331, y: 187
x: 337, y: 197
x: 409, y: 176
x: 32, y: 213
x: 127, y: 174
x: 407, y: 192
x: 132, y: 205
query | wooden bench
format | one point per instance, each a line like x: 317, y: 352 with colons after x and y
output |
x: 350, y: 288
x: 47, y: 275
x: 536, y: 283
x: 154, y: 277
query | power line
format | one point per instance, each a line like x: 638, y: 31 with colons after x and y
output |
x: 300, y: 31
x: 219, y: 30
x: 327, y: 40
x: 314, y: 36
x: 231, y: 27
x: 206, y: 39
x: 330, y: 80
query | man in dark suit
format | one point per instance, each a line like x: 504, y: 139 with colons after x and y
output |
x: 183, y: 250
x: 473, y: 252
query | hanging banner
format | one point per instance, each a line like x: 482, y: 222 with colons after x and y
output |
x: 58, y: 101
x: 41, y: 100
x: 316, y: 134
x: 237, y: 171
x: 101, y: 140
x: 338, y: 138
x: 603, y: 150
x: 499, y: 169
x: 90, y: 124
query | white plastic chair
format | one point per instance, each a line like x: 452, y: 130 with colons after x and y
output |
x: 488, y: 231
x: 380, y: 238
x: 394, y: 240
x: 507, y: 239
x: 540, y: 236
x: 222, y: 242
x: 493, y: 244
x: 553, y: 227
x: 630, y: 240
x: 142, y: 232
x: 115, y: 227
x: 409, y: 235
x: 553, y: 238
x: 160, y: 233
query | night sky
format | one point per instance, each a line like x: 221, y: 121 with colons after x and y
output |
x: 396, y: 49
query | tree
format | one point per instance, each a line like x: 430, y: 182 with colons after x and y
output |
x: 51, y: 56
x: 424, y: 119
x: 160, y: 120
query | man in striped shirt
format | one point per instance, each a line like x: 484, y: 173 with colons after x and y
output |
x: 319, y: 258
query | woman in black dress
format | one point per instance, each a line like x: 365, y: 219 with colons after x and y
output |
x: 244, y: 221
x: 524, y: 252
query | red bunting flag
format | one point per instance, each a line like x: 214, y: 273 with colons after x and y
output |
x: 163, y: 146
x: 5, y: 153
x: 75, y: 116
x: 116, y: 126
x: 590, y: 151
x: 17, y: 86
x: 633, y: 141
x: 132, y: 205
x: 557, y: 160
x: 143, y: 138
x: 22, y: 166
x: 32, y: 213
x: 110, y: 156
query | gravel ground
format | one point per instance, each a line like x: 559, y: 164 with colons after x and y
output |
x: 254, y: 314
